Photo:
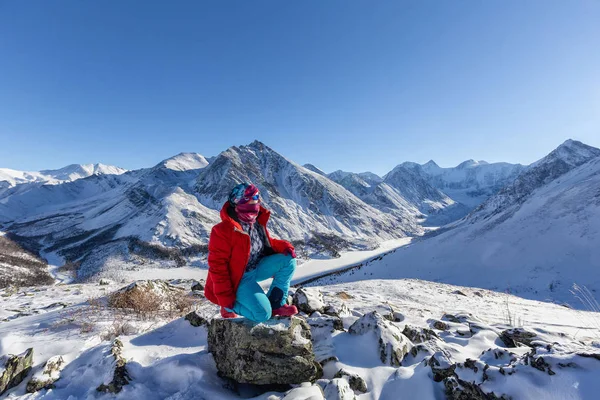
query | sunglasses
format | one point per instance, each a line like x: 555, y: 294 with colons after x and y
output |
x: 255, y: 197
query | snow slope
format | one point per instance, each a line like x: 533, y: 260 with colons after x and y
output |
x: 535, y: 238
x: 168, y: 358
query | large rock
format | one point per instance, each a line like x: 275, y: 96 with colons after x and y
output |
x: 309, y: 300
x: 278, y: 351
x: 393, y: 345
x: 13, y: 369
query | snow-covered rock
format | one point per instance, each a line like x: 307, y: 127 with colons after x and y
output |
x: 66, y: 174
x: 393, y: 345
x: 308, y: 300
x: 45, y: 378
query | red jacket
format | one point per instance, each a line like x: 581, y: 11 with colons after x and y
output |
x: 228, y: 255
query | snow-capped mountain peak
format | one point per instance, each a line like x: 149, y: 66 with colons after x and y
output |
x: 185, y: 162
x: 69, y: 173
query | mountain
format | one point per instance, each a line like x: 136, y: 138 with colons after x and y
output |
x: 10, y: 177
x: 371, y: 189
x: 469, y: 183
x: 535, y: 238
x: 162, y: 216
x: 109, y: 222
x: 303, y: 202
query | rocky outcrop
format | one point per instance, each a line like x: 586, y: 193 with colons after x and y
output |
x: 278, y: 351
x: 309, y: 300
x: 339, y: 389
x: 419, y: 335
x: 356, y: 382
x: 49, y: 374
x: 393, y: 345
x: 14, y: 369
x: 120, y: 376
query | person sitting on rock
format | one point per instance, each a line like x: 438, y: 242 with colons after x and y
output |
x: 241, y: 253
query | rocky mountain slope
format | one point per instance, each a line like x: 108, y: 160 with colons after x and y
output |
x: 535, y: 238
x: 370, y: 340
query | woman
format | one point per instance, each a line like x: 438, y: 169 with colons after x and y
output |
x: 241, y: 253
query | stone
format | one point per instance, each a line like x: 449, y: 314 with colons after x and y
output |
x: 196, y: 320
x: 104, y: 282
x: 49, y: 374
x: 328, y: 322
x: 356, y: 382
x: 514, y: 337
x: 309, y: 300
x: 15, y: 369
x: 337, y: 311
x: 339, y: 389
x: 419, y: 335
x: 457, y: 389
x: 393, y: 345
x: 441, y: 366
x: 198, y: 286
x: 120, y: 376
x: 440, y: 325
x: 277, y: 351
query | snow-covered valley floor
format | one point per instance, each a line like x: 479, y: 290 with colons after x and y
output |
x: 167, y: 358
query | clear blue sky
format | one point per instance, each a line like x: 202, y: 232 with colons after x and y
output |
x: 354, y: 85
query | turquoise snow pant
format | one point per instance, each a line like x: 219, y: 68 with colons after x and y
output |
x: 251, y: 301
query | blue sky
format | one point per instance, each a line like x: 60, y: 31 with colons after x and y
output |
x: 353, y: 85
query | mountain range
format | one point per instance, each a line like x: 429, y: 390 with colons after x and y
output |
x: 536, y: 237
x: 107, y: 219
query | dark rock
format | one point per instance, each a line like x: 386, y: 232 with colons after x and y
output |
x: 393, y: 345
x: 440, y: 325
x: 357, y: 383
x: 419, y: 335
x: 16, y: 369
x: 120, y: 376
x: 514, y: 337
x: 441, y: 367
x: 198, y: 287
x: 457, y: 389
x: 196, y: 320
x: 278, y: 351
x: 459, y: 293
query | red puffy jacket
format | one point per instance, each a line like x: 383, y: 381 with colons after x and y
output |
x: 228, y: 255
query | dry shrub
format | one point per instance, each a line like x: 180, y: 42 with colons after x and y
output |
x: 117, y: 329
x: 144, y: 303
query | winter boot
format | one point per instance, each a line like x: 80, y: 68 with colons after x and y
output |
x: 227, y: 314
x: 285, y: 311
x: 276, y: 298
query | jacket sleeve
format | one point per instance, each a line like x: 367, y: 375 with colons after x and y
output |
x: 280, y: 246
x: 219, y: 254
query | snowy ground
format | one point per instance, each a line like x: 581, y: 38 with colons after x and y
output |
x: 168, y: 359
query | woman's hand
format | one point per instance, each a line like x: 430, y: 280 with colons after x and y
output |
x: 289, y: 249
